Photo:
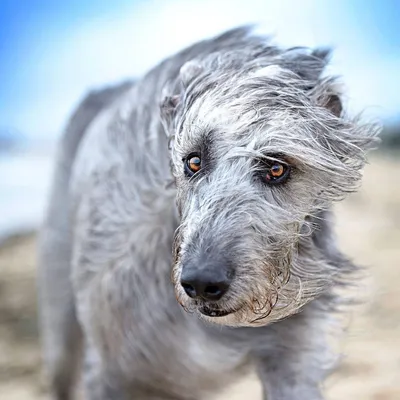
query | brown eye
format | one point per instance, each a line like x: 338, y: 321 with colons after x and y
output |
x: 277, y: 173
x: 193, y: 164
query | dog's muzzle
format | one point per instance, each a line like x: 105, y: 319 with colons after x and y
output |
x: 206, y: 283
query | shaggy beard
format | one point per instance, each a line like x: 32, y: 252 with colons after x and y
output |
x: 270, y: 292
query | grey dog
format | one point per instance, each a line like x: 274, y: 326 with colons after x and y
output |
x: 221, y: 165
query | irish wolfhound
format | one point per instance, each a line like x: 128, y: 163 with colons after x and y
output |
x: 236, y: 172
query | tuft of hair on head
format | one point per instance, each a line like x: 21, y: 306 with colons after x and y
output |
x: 270, y: 71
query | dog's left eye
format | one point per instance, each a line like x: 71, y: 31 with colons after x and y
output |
x: 192, y: 164
x: 277, y: 172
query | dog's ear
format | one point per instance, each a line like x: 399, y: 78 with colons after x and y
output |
x: 189, y: 71
x: 348, y: 138
x: 310, y: 65
x: 305, y: 63
x: 327, y: 93
x: 173, y: 93
x: 331, y: 93
x: 168, y: 108
x: 334, y: 105
x: 169, y: 104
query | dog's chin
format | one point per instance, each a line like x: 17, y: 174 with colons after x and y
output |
x: 214, y: 312
x: 224, y: 318
x: 221, y: 316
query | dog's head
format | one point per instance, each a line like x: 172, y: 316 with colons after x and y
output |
x: 259, y: 146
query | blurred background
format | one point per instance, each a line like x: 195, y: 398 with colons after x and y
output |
x: 52, y: 52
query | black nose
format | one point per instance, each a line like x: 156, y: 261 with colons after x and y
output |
x: 205, y: 283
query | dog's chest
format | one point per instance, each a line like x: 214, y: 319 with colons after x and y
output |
x: 190, y: 359
x: 174, y: 349
x: 209, y: 353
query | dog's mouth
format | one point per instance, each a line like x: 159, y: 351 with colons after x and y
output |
x: 215, y: 312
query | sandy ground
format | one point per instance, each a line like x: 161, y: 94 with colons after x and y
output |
x: 368, y: 225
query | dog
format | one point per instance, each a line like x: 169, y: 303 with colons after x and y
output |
x: 221, y: 165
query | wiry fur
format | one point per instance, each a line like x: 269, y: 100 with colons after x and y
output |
x: 244, y: 117
x: 238, y: 101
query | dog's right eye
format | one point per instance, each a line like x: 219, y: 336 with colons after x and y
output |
x: 277, y: 173
x: 192, y: 164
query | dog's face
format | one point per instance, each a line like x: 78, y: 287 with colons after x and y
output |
x: 256, y: 155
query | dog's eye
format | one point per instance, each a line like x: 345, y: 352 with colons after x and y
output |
x: 192, y: 164
x: 277, y: 172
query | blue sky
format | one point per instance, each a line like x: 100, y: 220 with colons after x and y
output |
x: 51, y: 52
